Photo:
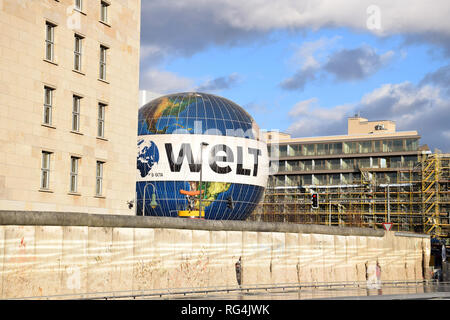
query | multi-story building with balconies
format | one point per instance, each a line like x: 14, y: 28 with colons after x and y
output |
x: 370, y: 176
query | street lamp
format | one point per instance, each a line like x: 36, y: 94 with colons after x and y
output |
x: 203, y: 144
x: 153, y: 203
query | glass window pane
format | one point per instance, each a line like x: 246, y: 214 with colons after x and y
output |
x: 411, y: 144
x: 308, y: 149
x: 377, y: 146
x: 396, y: 162
x: 49, y: 34
x: 76, y: 113
x: 49, y: 51
x: 104, y: 12
x: 322, y: 149
x: 306, y: 179
x: 45, y: 162
x: 365, y: 146
x: 347, y: 163
x: 78, y: 4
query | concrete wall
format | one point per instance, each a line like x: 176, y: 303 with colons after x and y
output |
x: 44, y: 253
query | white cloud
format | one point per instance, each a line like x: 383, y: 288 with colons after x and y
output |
x: 309, y: 119
x: 302, y: 107
x: 424, y: 108
x: 165, y: 82
x: 188, y: 26
x: 312, y: 53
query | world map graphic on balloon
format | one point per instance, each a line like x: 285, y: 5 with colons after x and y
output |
x: 180, y: 118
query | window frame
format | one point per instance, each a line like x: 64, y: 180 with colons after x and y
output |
x: 73, y: 184
x: 101, y: 113
x: 78, y: 5
x: 50, y: 41
x: 104, y: 6
x: 99, y: 169
x: 78, y: 40
x: 103, y: 62
x: 45, y: 170
x: 76, y: 112
x: 48, y: 105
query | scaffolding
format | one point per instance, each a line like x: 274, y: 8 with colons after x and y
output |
x: 436, y: 194
x: 417, y: 201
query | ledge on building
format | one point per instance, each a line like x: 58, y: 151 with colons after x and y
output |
x: 79, y: 72
x: 46, y: 190
x: 50, y: 61
x: 102, y: 80
x: 48, y: 125
x: 105, y: 23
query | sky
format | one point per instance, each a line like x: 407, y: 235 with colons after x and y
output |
x: 304, y: 66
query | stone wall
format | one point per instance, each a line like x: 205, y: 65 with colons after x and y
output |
x: 79, y: 255
x: 24, y: 72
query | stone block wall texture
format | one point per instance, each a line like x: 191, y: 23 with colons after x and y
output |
x: 47, y: 254
x: 24, y: 72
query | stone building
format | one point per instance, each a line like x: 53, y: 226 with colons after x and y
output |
x: 69, y: 83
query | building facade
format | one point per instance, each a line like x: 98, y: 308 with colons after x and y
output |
x: 370, y: 176
x: 372, y: 146
x: 69, y: 83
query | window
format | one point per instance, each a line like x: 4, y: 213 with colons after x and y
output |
x: 306, y: 179
x: 350, y: 147
x: 334, y: 164
x: 363, y: 162
x: 348, y: 164
x: 99, y: 178
x: 308, y: 149
x: 336, y: 148
x: 101, y: 120
x: 334, y: 178
x: 76, y: 114
x: 104, y: 11
x: 280, y: 181
x: 103, y: 51
x: 48, y: 105
x: 377, y: 146
x: 49, y: 41
x: 45, y: 170
x: 283, y: 151
x: 77, y: 52
x: 410, y: 161
x: 397, y: 145
x: 79, y: 5
x: 74, y: 174
x: 411, y: 144
x: 307, y: 165
x: 396, y: 162
x: 320, y: 164
x: 365, y: 146
x: 322, y: 149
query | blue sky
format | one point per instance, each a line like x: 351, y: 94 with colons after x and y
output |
x: 302, y: 67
